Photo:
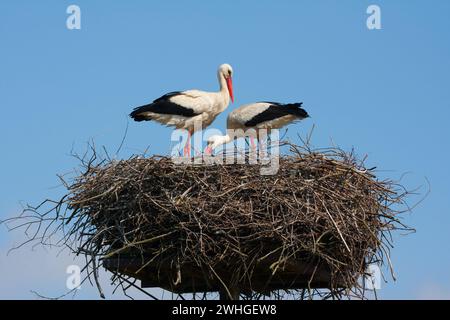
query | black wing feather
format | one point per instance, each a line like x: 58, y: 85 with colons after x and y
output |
x: 167, y: 96
x: 162, y: 105
x: 277, y: 110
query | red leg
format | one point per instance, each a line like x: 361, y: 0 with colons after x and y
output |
x: 187, y: 146
x: 252, y: 143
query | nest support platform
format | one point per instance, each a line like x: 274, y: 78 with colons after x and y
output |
x: 295, y: 275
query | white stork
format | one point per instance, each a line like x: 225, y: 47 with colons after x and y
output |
x: 183, y: 109
x: 259, y: 115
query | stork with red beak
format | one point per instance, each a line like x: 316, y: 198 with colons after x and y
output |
x: 190, y: 110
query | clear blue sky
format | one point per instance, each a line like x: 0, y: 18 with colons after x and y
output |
x: 384, y: 92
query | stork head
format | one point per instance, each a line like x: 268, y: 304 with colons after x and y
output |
x: 226, y: 71
x: 216, y: 141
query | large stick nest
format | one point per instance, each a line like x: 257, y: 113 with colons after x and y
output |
x: 317, y: 223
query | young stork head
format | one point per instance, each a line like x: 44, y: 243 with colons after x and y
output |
x: 226, y: 72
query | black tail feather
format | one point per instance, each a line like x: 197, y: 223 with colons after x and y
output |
x: 278, y: 110
x: 161, y: 107
x: 296, y: 110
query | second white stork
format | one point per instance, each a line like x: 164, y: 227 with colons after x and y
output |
x: 192, y: 109
x: 259, y: 115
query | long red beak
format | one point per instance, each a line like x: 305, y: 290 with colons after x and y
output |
x: 230, y: 88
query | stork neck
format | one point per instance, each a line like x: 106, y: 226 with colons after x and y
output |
x: 226, y: 138
x: 223, y: 84
x: 223, y: 140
